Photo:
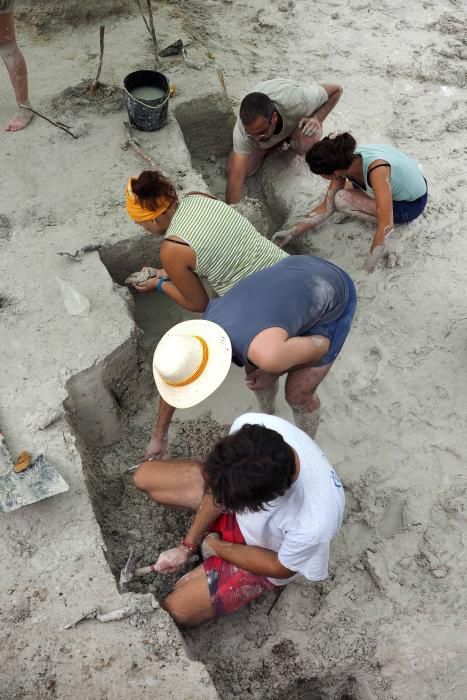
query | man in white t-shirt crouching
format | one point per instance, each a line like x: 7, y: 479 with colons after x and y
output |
x: 271, y: 503
x: 275, y: 111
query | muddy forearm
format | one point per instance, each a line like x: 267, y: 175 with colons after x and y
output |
x: 234, y: 190
x: 329, y: 105
x: 322, y: 212
x: 164, y: 418
x: 383, y: 230
x: 205, y: 516
x: 174, y: 293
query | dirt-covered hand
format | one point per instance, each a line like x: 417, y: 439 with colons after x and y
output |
x: 150, y: 283
x: 206, y: 549
x: 374, y: 257
x: 310, y: 126
x: 156, y: 448
x: 259, y: 380
x: 145, y: 287
x: 281, y: 238
x: 172, y: 559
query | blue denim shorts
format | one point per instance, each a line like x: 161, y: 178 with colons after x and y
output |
x: 404, y: 212
x: 337, y: 331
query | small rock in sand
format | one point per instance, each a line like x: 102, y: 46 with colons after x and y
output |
x: 135, y: 534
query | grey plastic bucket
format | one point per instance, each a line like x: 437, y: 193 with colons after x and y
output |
x: 147, y: 115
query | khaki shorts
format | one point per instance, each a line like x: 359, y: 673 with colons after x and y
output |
x: 6, y: 6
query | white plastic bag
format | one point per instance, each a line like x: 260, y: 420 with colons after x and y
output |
x: 75, y: 303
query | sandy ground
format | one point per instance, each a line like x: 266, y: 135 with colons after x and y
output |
x: 390, y: 621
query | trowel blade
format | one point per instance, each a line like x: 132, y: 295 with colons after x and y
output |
x: 40, y: 480
x: 126, y: 573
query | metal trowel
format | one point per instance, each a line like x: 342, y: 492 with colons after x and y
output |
x: 26, y: 481
x: 130, y: 571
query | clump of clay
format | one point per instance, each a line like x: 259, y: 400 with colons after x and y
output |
x: 141, y: 276
x: 253, y: 210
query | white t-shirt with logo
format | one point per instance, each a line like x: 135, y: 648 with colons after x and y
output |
x: 299, y: 525
x: 293, y: 101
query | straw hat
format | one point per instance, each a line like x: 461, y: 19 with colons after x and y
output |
x: 191, y: 361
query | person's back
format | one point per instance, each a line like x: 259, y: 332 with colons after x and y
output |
x: 228, y: 248
x: 407, y: 181
x: 298, y: 293
x: 299, y: 525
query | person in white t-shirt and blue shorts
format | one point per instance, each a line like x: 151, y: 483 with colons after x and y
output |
x: 267, y: 502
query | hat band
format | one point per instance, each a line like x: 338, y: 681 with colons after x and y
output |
x: 193, y: 377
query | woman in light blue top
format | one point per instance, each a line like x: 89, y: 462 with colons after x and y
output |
x: 384, y: 185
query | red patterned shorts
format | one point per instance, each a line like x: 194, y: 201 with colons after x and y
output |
x: 231, y: 588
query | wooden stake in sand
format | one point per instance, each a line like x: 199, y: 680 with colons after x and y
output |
x: 59, y: 125
x: 137, y: 148
x: 149, y: 24
x: 95, y: 84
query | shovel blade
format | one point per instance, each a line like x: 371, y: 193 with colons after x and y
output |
x: 40, y: 480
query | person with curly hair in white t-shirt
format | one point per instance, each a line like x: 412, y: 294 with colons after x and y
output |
x: 271, y: 504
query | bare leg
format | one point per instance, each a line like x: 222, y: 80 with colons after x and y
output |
x: 300, y: 392
x: 355, y: 203
x: 265, y: 386
x: 189, y: 603
x: 267, y: 398
x: 176, y: 483
x: 16, y: 66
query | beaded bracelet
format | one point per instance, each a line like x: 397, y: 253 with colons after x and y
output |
x: 193, y: 548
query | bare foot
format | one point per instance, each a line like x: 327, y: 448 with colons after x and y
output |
x: 20, y: 120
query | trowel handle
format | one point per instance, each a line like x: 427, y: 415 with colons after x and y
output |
x: 6, y: 462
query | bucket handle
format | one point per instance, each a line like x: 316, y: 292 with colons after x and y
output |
x: 145, y: 104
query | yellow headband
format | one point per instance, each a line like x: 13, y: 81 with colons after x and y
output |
x: 139, y: 213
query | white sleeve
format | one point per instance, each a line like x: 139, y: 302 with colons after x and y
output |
x: 241, y: 144
x: 245, y: 419
x: 309, y: 560
x: 313, y: 97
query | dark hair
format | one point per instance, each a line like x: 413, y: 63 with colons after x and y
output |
x: 255, y: 105
x: 248, y: 469
x: 331, y: 153
x: 150, y: 186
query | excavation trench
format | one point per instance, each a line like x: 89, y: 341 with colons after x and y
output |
x: 253, y: 653
x: 111, y: 407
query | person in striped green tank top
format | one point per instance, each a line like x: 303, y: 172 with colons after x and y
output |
x: 203, y: 237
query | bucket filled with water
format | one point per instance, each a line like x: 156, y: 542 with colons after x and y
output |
x: 147, y: 99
